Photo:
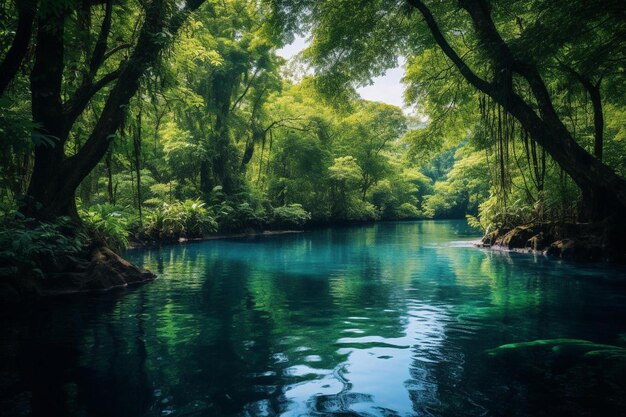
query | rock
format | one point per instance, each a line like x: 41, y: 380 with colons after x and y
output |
x: 195, y: 408
x: 490, y: 238
x: 516, y: 238
x: 99, y: 269
x: 579, y: 249
x: 108, y: 269
x: 104, y: 271
x: 537, y: 242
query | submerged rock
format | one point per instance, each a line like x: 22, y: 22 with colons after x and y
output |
x: 557, y: 346
x: 570, y: 372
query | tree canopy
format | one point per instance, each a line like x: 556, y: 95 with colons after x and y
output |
x: 137, y: 110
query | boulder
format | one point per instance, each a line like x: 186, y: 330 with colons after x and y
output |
x: 517, y: 237
x: 584, y: 248
x: 98, y: 269
x: 490, y: 238
x: 105, y: 270
x: 537, y: 242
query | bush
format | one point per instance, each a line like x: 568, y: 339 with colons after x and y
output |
x: 189, y: 219
x: 238, y: 217
x: 290, y: 216
x: 27, y: 245
x: 408, y: 211
x: 359, y: 210
x: 494, y: 215
x: 107, y: 224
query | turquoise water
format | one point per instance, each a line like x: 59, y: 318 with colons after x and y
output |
x: 391, y: 319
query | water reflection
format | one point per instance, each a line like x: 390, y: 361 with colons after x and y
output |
x: 383, y: 320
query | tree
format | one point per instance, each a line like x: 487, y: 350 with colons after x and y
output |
x: 56, y: 175
x: 228, y: 64
x: 485, y: 44
x: 367, y: 134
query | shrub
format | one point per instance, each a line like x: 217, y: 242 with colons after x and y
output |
x: 189, y: 219
x: 408, y: 211
x: 292, y: 215
x: 107, y: 224
x: 237, y: 217
x: 359, y: 210
x: 27, y: 245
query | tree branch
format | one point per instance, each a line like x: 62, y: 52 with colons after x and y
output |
x: 447, y: 49
x: 75, y: 106
x: 26, y: 11
x: 116, y: 49
x: 146, y: 53
x: 98, y: 55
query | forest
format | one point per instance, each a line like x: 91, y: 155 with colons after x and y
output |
x: 139, y: 122
x: 202, y: 212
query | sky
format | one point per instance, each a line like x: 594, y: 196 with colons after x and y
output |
x: 387, y: 88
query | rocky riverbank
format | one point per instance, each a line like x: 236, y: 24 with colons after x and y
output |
x: 99, y: 269
x: 588, y: 242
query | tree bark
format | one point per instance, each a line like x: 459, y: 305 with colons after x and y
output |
x: 26, y: 11
x: 598, y: 120
x: 47, y: 110
x: 109, y: 171
x: 137, y: 152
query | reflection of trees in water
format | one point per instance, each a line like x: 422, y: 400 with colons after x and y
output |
x: 502, y: 298
x: 63, y: 362
x: 340, y: 322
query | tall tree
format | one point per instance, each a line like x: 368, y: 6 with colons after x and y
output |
x: 56, y: 175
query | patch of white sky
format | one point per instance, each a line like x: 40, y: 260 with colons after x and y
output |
x: 387, y: 88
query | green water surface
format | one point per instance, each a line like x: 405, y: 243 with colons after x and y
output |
x: 391, y: 319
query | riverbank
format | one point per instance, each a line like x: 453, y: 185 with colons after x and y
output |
x: 136, y: 244
x: 583, y: 242
x: 97, y: 269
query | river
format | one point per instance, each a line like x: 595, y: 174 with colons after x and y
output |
x: 389, y: 319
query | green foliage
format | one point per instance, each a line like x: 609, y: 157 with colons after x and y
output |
x: 408, y: 211
x: 107, y: 225
x: 360, y: 211
x: 463, y: 189
x: 221, y: 135
x: 30, y: 246
x: 289, y: 216
x: 239, y: 217
x: 181, y: 219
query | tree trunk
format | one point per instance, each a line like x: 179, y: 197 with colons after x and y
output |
x: 47, y: 110
x: 206, y: 179
x: 598, y: 120
x: 109, y: 171
x: 137, y: 149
